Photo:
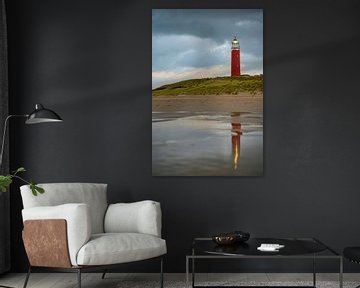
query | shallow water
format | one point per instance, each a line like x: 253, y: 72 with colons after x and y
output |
x: 207, y: 144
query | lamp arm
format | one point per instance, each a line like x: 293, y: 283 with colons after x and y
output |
x: 4, y: 134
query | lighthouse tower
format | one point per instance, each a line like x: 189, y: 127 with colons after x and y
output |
x: 235, y: 58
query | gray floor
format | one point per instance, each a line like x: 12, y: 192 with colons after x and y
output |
x: 121, y: 280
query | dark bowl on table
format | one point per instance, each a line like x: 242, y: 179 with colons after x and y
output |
x: 231, y: 238
x: 225, y: 239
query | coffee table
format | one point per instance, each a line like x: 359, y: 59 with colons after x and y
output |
x: 294, y: 248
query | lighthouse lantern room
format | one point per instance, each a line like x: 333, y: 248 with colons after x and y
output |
x: 235, y: 58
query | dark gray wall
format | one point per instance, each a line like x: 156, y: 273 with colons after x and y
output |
x: 4, y: 166
x: 91, y: 61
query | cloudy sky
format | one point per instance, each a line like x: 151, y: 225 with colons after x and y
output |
x: 196, y: 43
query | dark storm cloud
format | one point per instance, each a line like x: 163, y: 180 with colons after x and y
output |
x: 207, y: 23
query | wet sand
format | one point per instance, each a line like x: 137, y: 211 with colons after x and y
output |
x: 207, y: 144
x: 243, y: 102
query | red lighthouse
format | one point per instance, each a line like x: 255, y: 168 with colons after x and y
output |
x: 235, y: 58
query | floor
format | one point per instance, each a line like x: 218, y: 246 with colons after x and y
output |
x: 120, y: 280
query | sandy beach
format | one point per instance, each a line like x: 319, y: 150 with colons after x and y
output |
x: 198, y: 135
x: 243, y: 102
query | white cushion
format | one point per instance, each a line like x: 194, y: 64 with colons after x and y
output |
x: 138, y: 217
x: 77, y: 218
x: 113, y: 248
x: 62, y: 193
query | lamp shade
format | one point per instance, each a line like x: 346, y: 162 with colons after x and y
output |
x: 42, y: 115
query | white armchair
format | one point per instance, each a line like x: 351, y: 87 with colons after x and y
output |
x: 72, y: 228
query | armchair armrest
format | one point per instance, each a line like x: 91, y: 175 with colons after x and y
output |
x: 77, y: 217
x: 138, y: 217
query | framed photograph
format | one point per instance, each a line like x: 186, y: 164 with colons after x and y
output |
x: 207, y: 92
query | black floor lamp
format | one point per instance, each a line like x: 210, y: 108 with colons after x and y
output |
x: 39, y: 115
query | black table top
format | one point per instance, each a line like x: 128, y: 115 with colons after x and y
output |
x: 203, y: 246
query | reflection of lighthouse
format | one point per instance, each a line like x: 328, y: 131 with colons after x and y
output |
x: 235, y: 58
x: 235, y: 138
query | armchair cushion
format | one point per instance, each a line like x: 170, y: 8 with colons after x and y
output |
x: 113, y: 248
x: 138, y: 217
x: 92, y: 194
x: 78, y: 221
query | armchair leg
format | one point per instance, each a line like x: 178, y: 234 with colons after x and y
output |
x: 27, y: 277
x: 103, y: 275
x: 161, y: 273
x: 79, y: 277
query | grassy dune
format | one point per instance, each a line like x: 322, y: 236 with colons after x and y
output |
x: 212, y: 86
